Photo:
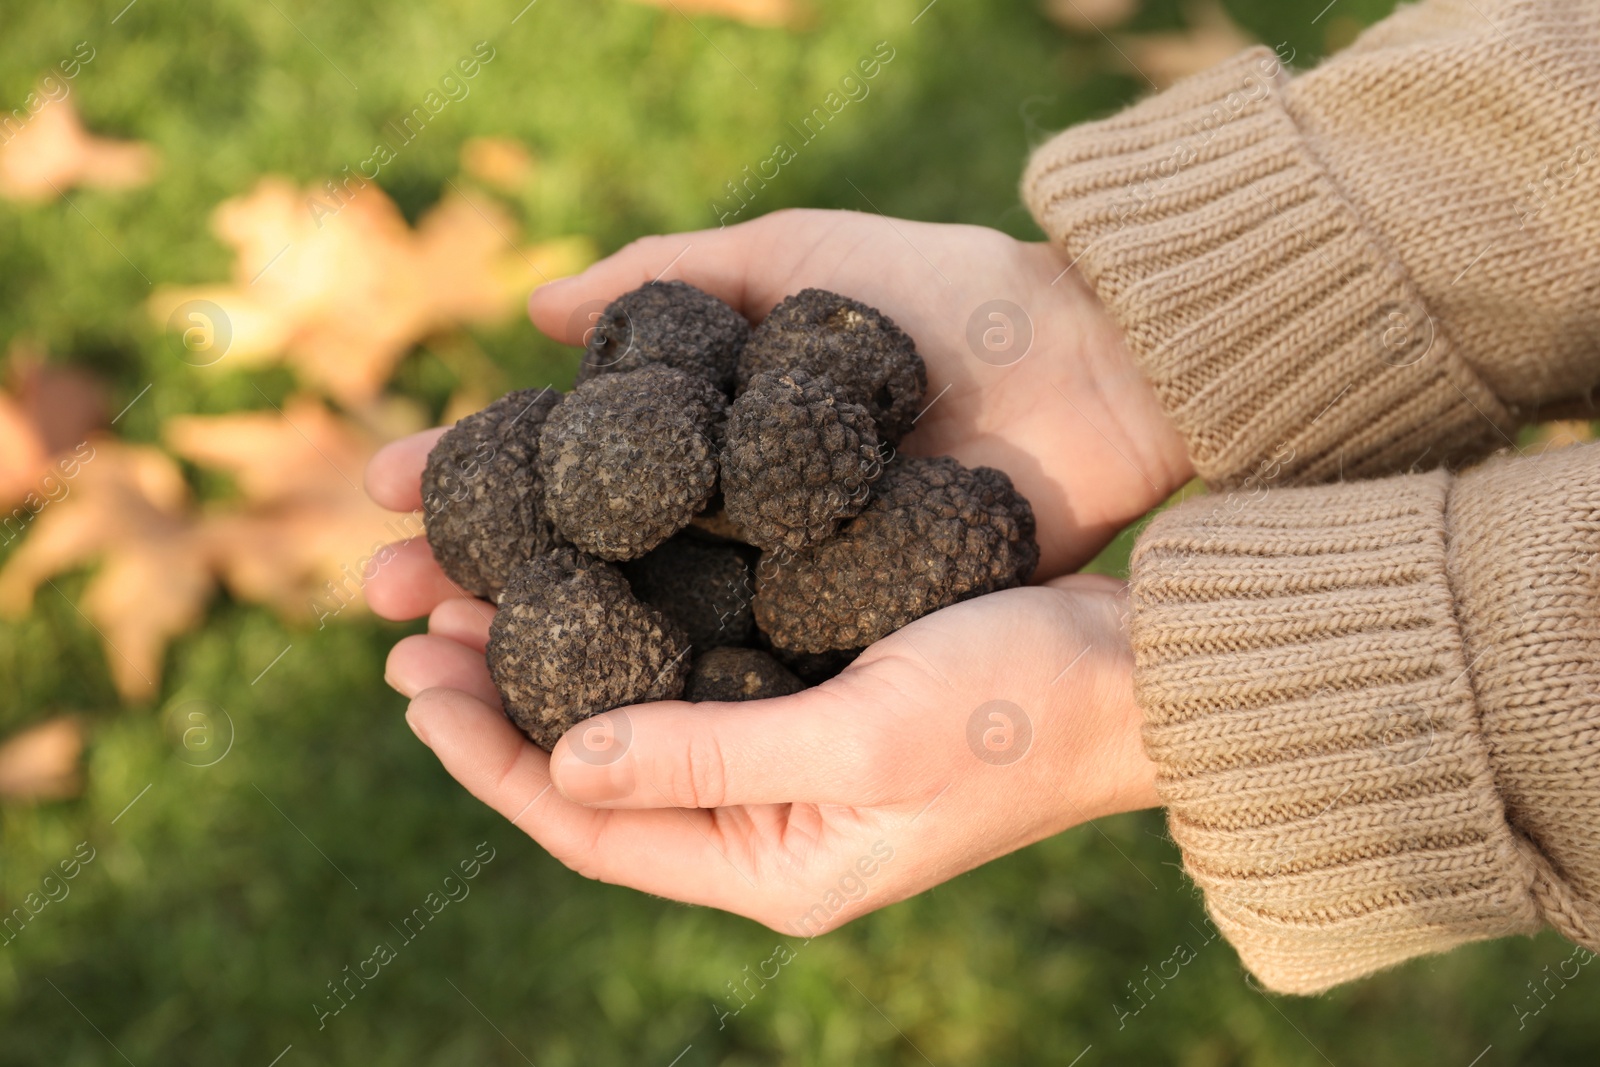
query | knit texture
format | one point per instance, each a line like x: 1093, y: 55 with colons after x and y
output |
x: 1375, y: 708
x: 1384, y: 264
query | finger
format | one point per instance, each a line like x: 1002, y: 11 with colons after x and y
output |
x: 423, y: 661
x: 394, y: 473
x: 410, y: 584
x: 677, y: 854
x: 1088, y: 583
x: 802, y: 748
x: 482, y: 750
x: 464, y: 621
x: 723, y: 262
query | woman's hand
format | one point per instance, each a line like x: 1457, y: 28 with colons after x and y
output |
x: 968, y: 734
x: 1026, y: 371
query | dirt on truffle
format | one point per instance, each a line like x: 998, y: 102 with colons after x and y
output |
x: 729, y: 674
x: 871, y: 361
x: 672, y: 323
x: 628, y: 459
x: 934, y: 533
x: 571, y: 641
x: 704, y: 586
x: 483, y: 498
x: 798, y: 459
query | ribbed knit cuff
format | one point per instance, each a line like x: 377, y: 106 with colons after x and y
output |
x: 1275, y: 326
x: 1307, y: 699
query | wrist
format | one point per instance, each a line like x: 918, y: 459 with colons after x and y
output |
x: 1152, y: 441
x: 1113, y: 762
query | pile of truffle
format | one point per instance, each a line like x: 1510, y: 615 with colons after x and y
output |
x: 714, y: 512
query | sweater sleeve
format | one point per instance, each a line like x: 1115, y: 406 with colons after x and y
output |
x: 1383, y: 264
x: 1375, y: 710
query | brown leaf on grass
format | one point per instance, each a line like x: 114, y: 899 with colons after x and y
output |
x: 341, y: 288
x: 53, y: 153
x: 754, y: 12
x: 1564, y: 433
x: 1165, y: 58
x: 44, y: 412
x: 41, y: 762
x: 1082, y: 16
x: 129, y: 508
x: 301, y: 521
x: 498, y: 161
x: 304, y: 520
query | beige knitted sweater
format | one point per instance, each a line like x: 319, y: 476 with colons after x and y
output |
x: 1375, y: 704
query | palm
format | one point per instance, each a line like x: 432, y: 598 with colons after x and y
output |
x: 1066, y: 415
x: 884, y: 762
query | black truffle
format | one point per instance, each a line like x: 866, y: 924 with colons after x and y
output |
x: 628, y: 459
x: 933, y: 534
x: 870, y: 359
x: 570, y: 641
x: 482, y: 496
x: 738, y: 674
x: 798, y: 459
x: 667, y: 322
x: 704, y: 586
x: 814, y: 668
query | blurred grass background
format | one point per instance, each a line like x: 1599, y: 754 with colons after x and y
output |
x: 208, y: 923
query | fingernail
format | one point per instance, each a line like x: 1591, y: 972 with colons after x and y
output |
x: 394, y: 683
x: 585, y: 781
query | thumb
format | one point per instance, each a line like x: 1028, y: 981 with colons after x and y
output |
x: 807, y: 748
x: 718, y: 261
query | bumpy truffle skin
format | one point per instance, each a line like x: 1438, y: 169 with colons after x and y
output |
x: 570, y: 641
x: 739, y: 674
x: 869, y: 358
x: 703, y: 586
x: 667, y: 322
x: 483, y: 498
x: 934, y: 533
x: 628, y: 459
x: 798, y: 459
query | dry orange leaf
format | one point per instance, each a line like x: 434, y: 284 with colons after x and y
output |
x: 41, y: 762
x: 306, y: 520
x: 342, y: 288
x: 1089, y: 15
x: 754, y: 12
x: 1165, y: 58
x: 303, y: 521
x: 1564, y: 433
x: 498, y: 161
x: 44, y: 412
x: 53, y: 152
x: 129, y: 508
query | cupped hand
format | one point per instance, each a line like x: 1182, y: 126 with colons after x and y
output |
x: 1026, y: 370
x: 968, y: 734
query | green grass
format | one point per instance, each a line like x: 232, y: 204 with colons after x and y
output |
x: 208, y: 921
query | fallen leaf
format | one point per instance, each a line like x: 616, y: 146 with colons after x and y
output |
x: 52, y: 152
x: 300, y: 538
x: 341, y: 288
x: 41, y: 762
x: 1089, y: 15
x: 304, y: 521
x: 754, y: 12
x: 498, y: 161
x: 1165, y: 58
x: 44, y: 411
x: 129, y: 508
x: 1564, y: 433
